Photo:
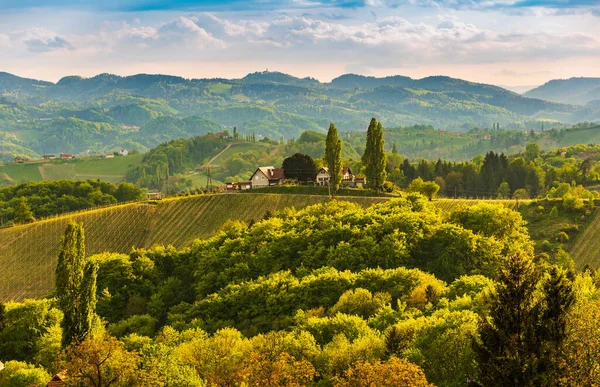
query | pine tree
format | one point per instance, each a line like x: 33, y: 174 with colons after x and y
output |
x: 75, y: 286
x: 374, y: 157
x: 23, y: 213
x: 558, y: 299
x: 522, y: 339
x: 333, y: 156
x: 394, y: 149
x: 507, y: 352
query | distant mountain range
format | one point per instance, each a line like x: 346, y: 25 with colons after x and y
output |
x: 579, y: 91
x: 109, y: 111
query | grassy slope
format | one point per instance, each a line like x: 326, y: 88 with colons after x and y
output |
x: 111, y: 170
x: 32, y: 248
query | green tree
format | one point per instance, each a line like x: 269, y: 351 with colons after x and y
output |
x: 374, y: 158
x: 300, y: 166
x: 503, y: 190
x: 558, y: 301
x: 235, y: 133
x: 522, y: 340
x: 333, y: 157
x: 75, y: 286
x: 394, y: 148
x: 532, y: 151
x: 23, y: 213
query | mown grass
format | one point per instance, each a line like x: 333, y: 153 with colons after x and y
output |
x: 110, y: 170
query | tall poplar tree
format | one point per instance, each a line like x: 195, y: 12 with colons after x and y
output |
x: 333, y: 157
x: 75, y: 286
x: 374, y: 157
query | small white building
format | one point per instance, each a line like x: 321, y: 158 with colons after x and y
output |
x: 1, y: 366
x: 123, y: 152
x: 266, y: 176
x: 323, y: 176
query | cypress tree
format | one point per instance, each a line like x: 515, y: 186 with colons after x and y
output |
x: 394, y: 149
x: 374, y: 157
x: 235, y: 133
x: 75, y: 286
x: 333, y: 156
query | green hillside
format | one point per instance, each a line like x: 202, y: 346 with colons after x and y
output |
x: 87, y: 168
x: 109, y: 112
x: 32, y: 248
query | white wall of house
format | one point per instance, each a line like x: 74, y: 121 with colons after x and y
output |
x: 323, y: 177
x: 259, y: 179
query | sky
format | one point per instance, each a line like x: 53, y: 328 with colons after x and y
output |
x: 502, y: 42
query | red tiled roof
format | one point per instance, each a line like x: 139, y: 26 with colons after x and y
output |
x: 273, y: 173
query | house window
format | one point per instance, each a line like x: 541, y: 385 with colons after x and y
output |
x: 262, y: 177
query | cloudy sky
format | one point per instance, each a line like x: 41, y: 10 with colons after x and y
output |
x: 505, y: 42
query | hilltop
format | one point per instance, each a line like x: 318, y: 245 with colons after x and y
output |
x: 109, y: 112
x: 580, y: 91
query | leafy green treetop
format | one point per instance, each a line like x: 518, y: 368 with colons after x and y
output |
x: 23, y: 213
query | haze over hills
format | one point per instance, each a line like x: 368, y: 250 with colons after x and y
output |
x: 580, y: 91
x: 107, y: 112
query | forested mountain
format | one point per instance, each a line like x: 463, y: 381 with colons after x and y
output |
x: 108, y: 112
x: 574, y: 91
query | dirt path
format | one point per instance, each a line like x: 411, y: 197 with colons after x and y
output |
x: 220, y: 153
x: 6, y: 177
x: 40, y: 168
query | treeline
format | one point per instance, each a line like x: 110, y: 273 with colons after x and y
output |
x: 174, y: 157
x: 531, y: 174
x: 331, y: 295
x: 24, y: 203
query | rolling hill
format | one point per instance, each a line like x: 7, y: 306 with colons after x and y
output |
x: 109, y: 111
x: 579, y: 91
x: 32, y: 248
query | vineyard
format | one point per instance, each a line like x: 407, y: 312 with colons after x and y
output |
x: 32, y: 248
x: 585, y: 249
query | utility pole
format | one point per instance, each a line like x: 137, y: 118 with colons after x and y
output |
x: 208, y: 178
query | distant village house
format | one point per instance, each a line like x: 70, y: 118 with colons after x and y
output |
x: 67, y: 156
x: 49, y: 157
x: 123, y: 152
x: 348, y: 179
x: 267, y: 176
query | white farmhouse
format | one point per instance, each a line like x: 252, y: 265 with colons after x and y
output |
x: 266, y: 176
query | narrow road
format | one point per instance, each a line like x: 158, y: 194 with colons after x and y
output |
x: 220, y: 153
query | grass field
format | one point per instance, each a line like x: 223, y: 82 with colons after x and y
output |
x: 32, y: 248
x: 89, y: 168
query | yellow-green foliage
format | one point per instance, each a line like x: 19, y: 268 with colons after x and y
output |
x: 28, y: 253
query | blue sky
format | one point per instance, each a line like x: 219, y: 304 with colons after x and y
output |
x: 506, y: 42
